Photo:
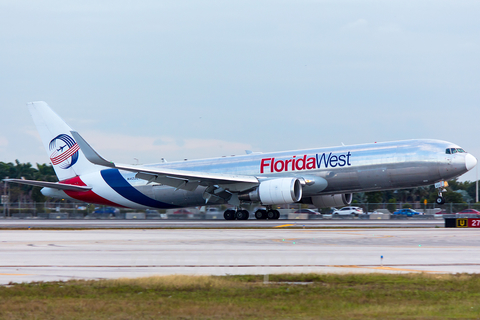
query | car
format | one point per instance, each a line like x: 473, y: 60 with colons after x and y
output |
x: 407, y: 212
x: 307, y: 211
x: 107, y: 210
x: 348, y: 211
x: 182, y: 211
x: 213, y: 213
x: 468, y: 211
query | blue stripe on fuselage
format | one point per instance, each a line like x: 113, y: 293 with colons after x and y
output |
x: 118, y: 183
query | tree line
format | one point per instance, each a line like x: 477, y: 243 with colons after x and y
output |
x: 17, y: 170
x: 458, y: 192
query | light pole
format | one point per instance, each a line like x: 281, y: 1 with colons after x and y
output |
x: 5, y: 198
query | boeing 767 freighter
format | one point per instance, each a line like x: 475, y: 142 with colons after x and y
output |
x: 325, y: 177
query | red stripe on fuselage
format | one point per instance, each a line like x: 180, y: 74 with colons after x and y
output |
x: 86, y: 196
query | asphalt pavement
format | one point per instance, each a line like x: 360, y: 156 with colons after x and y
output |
x: 215, y: 224
x: 48, y: 255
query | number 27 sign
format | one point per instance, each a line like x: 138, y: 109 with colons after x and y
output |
x: 474, y: 223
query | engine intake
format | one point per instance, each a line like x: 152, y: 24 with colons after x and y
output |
x: 332, y: 200
x: 275, y: 191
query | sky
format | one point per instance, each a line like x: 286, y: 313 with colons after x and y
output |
x: 194, y: 79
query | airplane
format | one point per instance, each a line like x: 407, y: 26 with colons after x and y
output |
x: 323, y: 177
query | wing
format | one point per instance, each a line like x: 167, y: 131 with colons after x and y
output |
x: 180, y: 179
x: 53, y: 185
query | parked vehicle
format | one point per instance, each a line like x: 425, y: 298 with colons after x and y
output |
x: 182, y: 211
x: 107, y: 210
x: 468, y: 211
x: 213, y: 213
x: 407, y: 212
x: 348, y: 211
x: 307, y: 211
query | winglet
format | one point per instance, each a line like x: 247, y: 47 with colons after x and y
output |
x: 90, y: 153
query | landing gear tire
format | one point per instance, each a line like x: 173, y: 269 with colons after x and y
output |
x: 440, y: 200
x: 277, y: 214
x: 261, y: 214
x: 270, y: 214
x: 273, y: 214
x: 242, y: 215
x: 229, y: 214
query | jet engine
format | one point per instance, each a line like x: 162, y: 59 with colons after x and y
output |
x: 275, y: 191
x: 332, y: 200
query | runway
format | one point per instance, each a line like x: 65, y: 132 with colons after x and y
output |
x: 159, y: 224
x: 47, y: 255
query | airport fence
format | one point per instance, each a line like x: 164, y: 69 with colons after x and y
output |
x: 78, y: 210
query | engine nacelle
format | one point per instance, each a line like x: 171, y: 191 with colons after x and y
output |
x: 275, y: 191
x: 332, y: 200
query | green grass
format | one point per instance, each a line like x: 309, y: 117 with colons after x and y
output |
x: 320, y: 296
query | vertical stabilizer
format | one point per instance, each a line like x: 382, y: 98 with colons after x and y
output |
x: 64, y: 153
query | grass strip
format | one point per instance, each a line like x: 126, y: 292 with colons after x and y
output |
x: 285, y: 296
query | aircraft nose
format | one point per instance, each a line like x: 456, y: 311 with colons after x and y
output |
x: 470, y: 161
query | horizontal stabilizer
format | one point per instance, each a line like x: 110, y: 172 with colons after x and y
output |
x: 53, y: 185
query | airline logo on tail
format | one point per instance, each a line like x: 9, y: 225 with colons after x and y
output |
x: 64, y: 151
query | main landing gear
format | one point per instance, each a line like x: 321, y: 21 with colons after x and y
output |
x: 260, y: 214
x: 441, y: 188
x: 270, y: 214
x: 231, y: 214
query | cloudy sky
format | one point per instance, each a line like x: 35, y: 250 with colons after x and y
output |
x: 193, y: 79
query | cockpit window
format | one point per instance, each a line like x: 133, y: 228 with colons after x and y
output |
x: 454, y: 150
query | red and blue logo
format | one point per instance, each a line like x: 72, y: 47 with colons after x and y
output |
x: 65, y: 151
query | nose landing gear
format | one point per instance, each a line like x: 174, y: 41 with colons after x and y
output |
x: 440, y: 200
x: 441, y: 188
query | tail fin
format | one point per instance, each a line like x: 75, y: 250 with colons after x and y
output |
x: 65, y: 155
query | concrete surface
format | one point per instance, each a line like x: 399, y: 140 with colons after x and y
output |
x: 47, y: 255
x: 340, y: 223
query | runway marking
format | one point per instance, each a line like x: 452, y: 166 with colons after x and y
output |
x: 14, y: 274
x: 381, y: 268
x: 284, y: 240
x: 284, y: 225
x: 401, y: 269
